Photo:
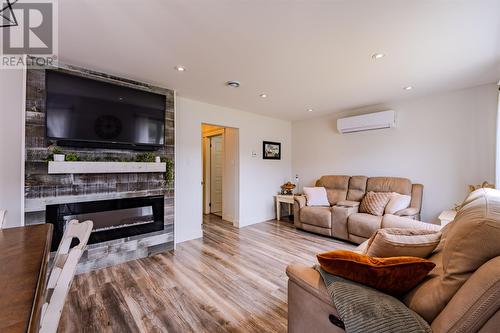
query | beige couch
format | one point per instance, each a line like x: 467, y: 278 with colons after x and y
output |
x: 342, y: 220
x: 461, y: 294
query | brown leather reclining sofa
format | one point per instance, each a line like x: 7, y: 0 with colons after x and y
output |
x: 342, y: 220
x: 461, y: 294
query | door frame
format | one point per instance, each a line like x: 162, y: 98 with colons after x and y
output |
x: 210, y: 183
x: 231, y: 178
x: 207, y: 167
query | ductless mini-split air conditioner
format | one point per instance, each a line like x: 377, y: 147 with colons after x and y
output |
x: 367, y: 122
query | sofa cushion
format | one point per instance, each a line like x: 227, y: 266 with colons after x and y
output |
x: 316, y: 229
x: 374, y: 203
x: 357, y: 239
x: 394, y: 242
x: 397, y: 203
x: 472, y: 240
x: 363, y: 225
x: 318, y: 216
x: 336, y: 187
x: 357, y: 188
x: 316, y: 196
x: 393, y: 221
x: 364, y: 309
x: 394, y: 276
x: 389, y: 184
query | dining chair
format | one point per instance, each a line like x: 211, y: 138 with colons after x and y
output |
x: 3, y: 212
x: 63, y: 271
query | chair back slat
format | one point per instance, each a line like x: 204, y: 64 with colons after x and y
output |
x: 62, y: 273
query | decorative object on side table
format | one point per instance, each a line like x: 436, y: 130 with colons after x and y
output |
x: 287, y: 188
x: 271, y: 150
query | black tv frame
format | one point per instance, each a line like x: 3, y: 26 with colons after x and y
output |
x: 98, y: 144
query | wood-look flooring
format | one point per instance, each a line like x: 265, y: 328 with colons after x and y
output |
x: 231, y: 280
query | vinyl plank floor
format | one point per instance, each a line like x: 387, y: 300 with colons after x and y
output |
x: 231, y: 280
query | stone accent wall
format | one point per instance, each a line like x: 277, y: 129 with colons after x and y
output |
x: 42, y: 189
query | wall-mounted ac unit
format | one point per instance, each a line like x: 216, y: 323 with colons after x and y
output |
x: 367, y: 122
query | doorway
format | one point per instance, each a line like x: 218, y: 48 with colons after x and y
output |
x: 215, y: 165
x: 220, y: 172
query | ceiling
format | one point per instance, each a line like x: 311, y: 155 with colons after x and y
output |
x: 302, y: 54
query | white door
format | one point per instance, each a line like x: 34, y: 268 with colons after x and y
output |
x: 216, y: 169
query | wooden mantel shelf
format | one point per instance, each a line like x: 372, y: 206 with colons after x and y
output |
x: 105, y: 167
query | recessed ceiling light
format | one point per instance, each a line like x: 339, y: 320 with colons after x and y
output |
x: 233, y: 84
x: 180, y: 68
x: 408, y: 88
x: 263, y: 95
x: 309, y: 110
x: 378, y: 55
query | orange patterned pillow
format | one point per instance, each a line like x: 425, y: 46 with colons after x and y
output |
x: 374, y: 203
x: 395, y: 275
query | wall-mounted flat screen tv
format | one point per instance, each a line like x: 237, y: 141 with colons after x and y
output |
x: 91, y: 113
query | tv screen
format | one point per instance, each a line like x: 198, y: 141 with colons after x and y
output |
x: 87, y: 112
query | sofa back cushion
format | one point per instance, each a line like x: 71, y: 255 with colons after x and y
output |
x: 336, y: 187
x: 389, y: 184
x: 357, y: 188
x: 472, y: 240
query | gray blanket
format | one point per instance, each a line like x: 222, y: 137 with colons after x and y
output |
x: 366, y: 310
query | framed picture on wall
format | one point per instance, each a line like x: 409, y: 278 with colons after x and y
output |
x: 271, y: 150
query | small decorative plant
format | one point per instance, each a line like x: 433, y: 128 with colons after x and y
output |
x: 72, y: 157
x: 56, y: 154
x: 169, y: 172
x: 145, y: 157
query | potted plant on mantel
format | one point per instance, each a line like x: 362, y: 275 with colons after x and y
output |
x: 56, y: 153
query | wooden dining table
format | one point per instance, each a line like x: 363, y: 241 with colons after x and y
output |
x: 24, y: 254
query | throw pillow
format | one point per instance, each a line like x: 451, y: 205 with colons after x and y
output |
x: 316, y: 196
x: 374, y: 203
x: 394, y: 276
x: 397, y: 203
x: 395, y: 242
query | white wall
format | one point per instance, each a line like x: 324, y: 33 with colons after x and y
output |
x: 443, y: 141
x: 12, y: 145
x: 259, y: 179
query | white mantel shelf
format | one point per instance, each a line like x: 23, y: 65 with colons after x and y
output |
x: 105, y: 167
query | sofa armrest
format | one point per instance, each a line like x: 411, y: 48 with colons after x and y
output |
x: 474, y: 303
x: 394, y: 221
x: 309, y: 279
x: 410, y: 211
x: 310, y: 307
x: 299, y: 201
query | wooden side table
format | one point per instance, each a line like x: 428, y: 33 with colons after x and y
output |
x: 447, y: 216
x: 282, y: 198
